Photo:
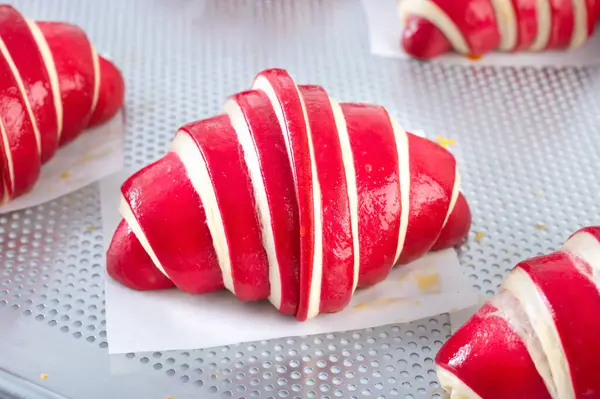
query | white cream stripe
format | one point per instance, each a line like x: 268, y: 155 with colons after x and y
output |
x: 404, y: 177
x: 433, y: 13
x: 197, y: 171
x: 23, y: 92
x: 131, y: 220
x: 52, y: 73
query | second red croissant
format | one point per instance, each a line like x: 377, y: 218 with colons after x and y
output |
x: 53, y: 85
x: 288, y: 196
x: 476, y: 27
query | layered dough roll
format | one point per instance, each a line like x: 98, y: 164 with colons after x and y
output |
x: 288, y: 196
x: 476, y: 27
x: 538, y: 338
x: 53, y: 85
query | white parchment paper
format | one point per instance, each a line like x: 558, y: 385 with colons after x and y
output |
x: 95, y: 154
x: 385, y: 31
x: 168, y: 320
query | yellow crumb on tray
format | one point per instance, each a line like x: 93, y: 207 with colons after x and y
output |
x: 444, y: 142
x: 91, y: 228
x: 538, y: 193
x: 428, y: 283
x: 542, y: 227
x: 65, y: 175
x: 43, y: 376
x: 479, y: 236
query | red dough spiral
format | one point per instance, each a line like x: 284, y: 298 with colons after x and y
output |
x: 476, y: 27
x: 538, y: 338
x: 287, y: 196
x: 53, y: 85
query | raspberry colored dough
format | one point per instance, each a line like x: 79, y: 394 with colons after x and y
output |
x: 536, y: 338
x: 476, y: 27
x: 287, y: 196
x: 53, y: 85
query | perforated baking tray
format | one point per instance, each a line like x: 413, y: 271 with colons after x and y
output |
x: 526, y: 139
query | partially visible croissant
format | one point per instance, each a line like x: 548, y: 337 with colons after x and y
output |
x: 476, y: 27
x: 288, y: 196
x: 538, y: 338
x: 53, y: 85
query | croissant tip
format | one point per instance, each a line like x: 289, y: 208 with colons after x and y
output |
x: 111, y: 95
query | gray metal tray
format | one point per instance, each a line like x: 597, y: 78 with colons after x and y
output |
x: 527, y: 142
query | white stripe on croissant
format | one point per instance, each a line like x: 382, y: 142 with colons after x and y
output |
x: 52, y: 73
x: 244, y: 136
x: 314, y: 302
x: 401, y: 139
x: 197, y: 171
x: 544, y: 18
x: 510, y: 310
x: 586, y: 246
x: 454, y: 197
x: 350, y: 174
x: 524, y: 289
x: 580, y: 27
x: 131, y: 220
x: 454, y: 385
x: 97, y: 77
x: 9, y: 160
x: 15, y: 71
x: 433, y: 13
x: 506, y: 21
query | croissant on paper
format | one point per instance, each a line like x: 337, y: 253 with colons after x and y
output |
x: 288, y: 196
x: 53, y: 85
x: 476, y: 27
x: 538, y: 337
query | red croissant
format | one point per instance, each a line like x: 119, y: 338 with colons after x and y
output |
x: 538, y: 338
x: 53, y: 85
x: 288, y: 196
x: 476, y: 27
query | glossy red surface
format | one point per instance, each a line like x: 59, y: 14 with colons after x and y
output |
x: 571, y: 297
x: 25, y: 53
x: 72, y: 55
x: 287, y: 177
x: 128, y: 263
x: 338, y: 251
x: 457, y: 227
x: 222, y: 153
x: 593, y: 9
x: 296, y: 135
x: 278, y: 181
x: 432, y: 174
x: 476, y: 19
x: 164, y: 201
x: 111, y: 95
x: 490, y: 358
x: 422, y: 39
x: 20, y: 145
x: 527, y: 22
x: 563, y: 22
x: 376, y: 164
